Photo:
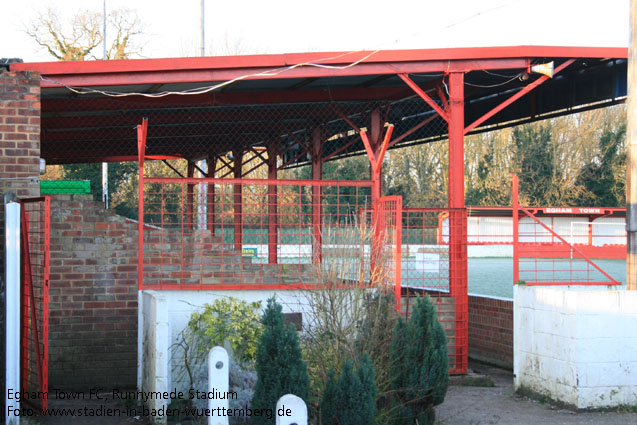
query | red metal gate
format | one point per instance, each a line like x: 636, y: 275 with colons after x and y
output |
x: 548, y: 265
x: 34, y: 309
x: 388, y: 232
x: 435, y: 264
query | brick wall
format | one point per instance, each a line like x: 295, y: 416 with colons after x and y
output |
x: 491, y: 330
x: 93, y: 296
x: 19, y: 157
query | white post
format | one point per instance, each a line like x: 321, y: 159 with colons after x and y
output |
x: 104, y: 164
x: 12, y: 310
x: 219, y: 385
x: 105, y: 184
x: 291, y: 410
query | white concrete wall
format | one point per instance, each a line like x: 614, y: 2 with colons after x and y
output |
x: 166, y: 314
x: 576, y: 345
x: 154, y: 349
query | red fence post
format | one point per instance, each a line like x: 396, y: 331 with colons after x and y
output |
x: 190, y: 196
x: 398, y: 252
x: 272, y: 205
x: 238, y: 202
x: 317, y: 174
x: 35, y: 239
x: 516, y: 228
x: 210, y: 201
x: 25, y: 283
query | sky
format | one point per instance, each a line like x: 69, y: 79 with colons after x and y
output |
x: 172, y: 28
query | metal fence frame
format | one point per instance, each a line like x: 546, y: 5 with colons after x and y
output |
x: 35, y: 231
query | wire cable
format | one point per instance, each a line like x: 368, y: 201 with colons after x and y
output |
x: 494, y: 85
x: 207, y: 89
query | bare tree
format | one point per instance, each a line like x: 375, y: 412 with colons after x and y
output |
x: 126, y: 26
x: 86, y: 33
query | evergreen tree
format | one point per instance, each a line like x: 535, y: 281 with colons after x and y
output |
x: 368, y: 392
x: 280, y: 368
x: 351, y: 400
x: 349, y: 387
x: 118, y: 174
x: 329, y: 403
x: 420, y: 369
x: 536, y: 164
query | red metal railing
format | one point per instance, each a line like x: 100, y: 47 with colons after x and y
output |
x: 549, y: 265
x: 247, y: 234
x: 434, y: 262
x: 34, y: 349
x: 594, y: 231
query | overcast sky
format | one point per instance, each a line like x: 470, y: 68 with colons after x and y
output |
x: 172, y: 28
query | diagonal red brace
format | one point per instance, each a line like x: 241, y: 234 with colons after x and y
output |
x: 424, y: 96
x: 515, y: 97
x: 384, y: 146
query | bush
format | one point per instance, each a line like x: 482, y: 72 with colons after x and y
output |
x: 228, y: 322
x: 280, y: 367
x: 351, y: 400
x: 231, y: 320
x: 419, y: 367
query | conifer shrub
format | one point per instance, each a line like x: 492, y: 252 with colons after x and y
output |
x: 352, y: 399
x: 280, y: 367
x: 419, y: 366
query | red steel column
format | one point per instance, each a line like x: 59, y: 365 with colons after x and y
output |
x: 376, y: 124
x: 238, y: 202
x: 456, y: 140
x: 457, y: 219
x: 377, y: 228
x: 272, y: 205
x: 142, y: 131
x: 317, y: 175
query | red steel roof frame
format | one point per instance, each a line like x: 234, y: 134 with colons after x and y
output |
x: 180, y: 70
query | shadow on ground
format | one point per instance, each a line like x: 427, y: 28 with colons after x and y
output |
x: 498, y: 405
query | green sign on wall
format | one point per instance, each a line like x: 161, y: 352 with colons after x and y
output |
x: 65, y: 187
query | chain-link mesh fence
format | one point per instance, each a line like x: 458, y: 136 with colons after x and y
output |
x: 201, y: 129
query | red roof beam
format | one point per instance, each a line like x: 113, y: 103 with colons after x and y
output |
x: 224, y: 76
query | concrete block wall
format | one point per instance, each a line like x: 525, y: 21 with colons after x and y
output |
x: 93, y: 296
x: 491, y: 330
x: 576, y: 345
x: 19, y: 157
x: 154, y: 353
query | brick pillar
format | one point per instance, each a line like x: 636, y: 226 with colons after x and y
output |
x: 19, y: 157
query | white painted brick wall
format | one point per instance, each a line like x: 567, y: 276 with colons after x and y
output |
x: 577, y: 345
